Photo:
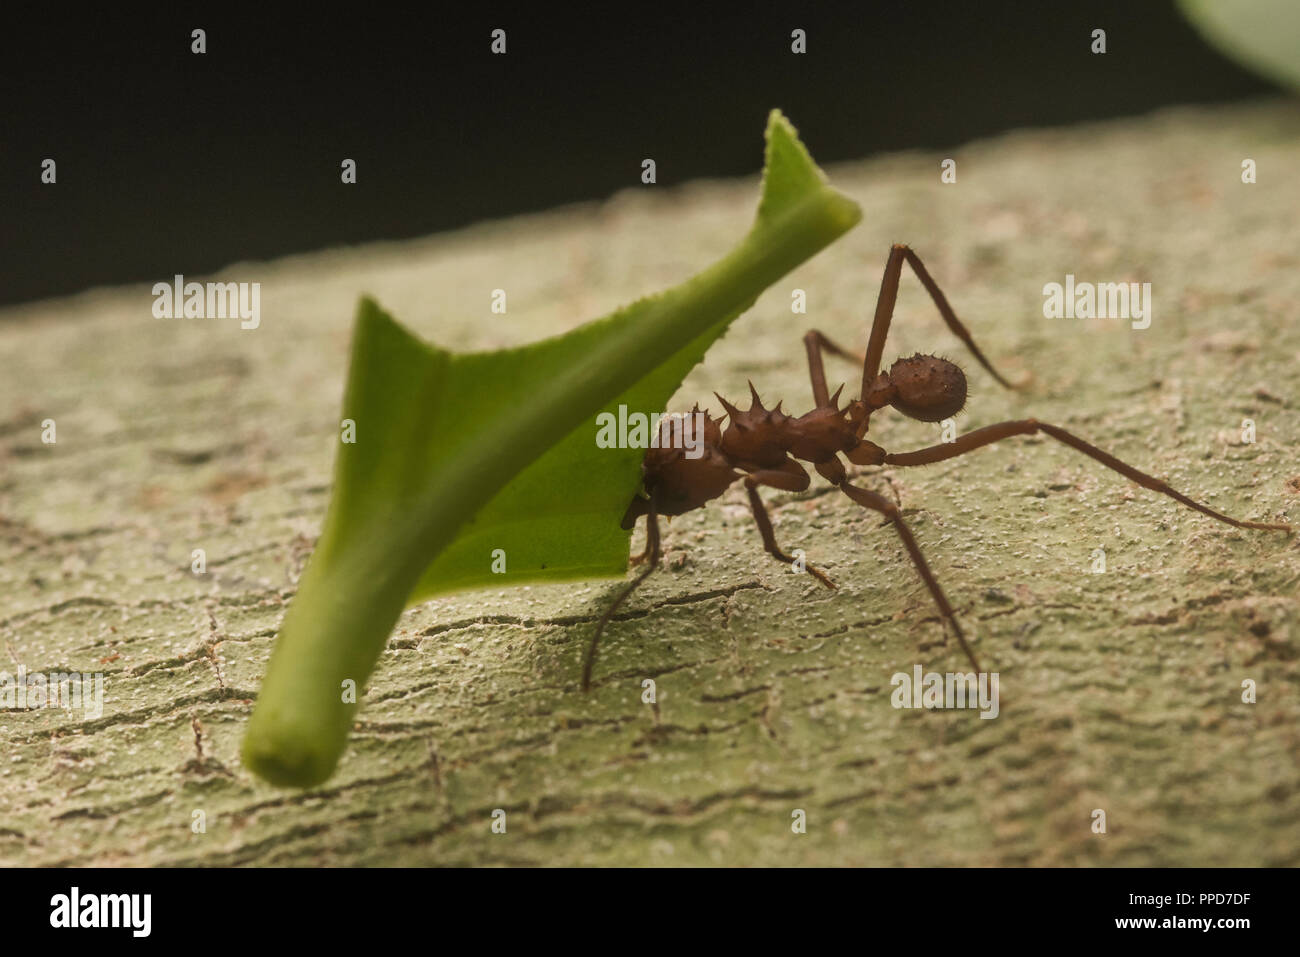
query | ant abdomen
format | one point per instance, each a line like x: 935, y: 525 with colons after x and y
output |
x: 927, y: 388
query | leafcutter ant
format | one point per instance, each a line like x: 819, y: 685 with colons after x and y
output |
x: 764, y: 447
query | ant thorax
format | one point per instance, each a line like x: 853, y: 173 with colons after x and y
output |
x: 758, y: 438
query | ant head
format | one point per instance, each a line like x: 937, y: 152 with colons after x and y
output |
x: 927, y: 388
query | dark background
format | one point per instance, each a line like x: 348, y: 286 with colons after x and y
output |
x: 170, y: 162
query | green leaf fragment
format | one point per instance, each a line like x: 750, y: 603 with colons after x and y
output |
x: 457, y: 454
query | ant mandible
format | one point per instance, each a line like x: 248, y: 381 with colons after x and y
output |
x: 761, y: 446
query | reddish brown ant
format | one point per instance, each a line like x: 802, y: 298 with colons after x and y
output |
x: 761, y: 446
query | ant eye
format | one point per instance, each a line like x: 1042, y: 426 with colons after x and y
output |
x: 928, y: 388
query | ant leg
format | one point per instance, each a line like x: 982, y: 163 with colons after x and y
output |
x: 949, y: 317
x: 652, y: 547
x: 787, y: 479
x: 1002, y: 430
x: 869, y: 499
x: 899, y: 253
x: 885, y: 301
x: 636, y: 560
x: 815, y: 342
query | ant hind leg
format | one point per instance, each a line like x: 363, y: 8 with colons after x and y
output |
x: 888, y: 296
x: 878, y: 503
x: 1004, y: 430
x: 815, y: 342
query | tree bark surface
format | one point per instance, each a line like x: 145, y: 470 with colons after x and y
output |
x: 1121, y: 691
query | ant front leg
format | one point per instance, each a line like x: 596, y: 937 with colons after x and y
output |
x: 1003, y: 430
x: 636, y: 560
x: 654, y: 552
x: 898, y: 254
x: 791, y: 477
x: 878, y: 503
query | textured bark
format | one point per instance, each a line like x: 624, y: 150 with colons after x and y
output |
x: 1120, y: 691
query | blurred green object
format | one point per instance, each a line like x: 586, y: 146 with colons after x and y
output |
x: 1262, y: 35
